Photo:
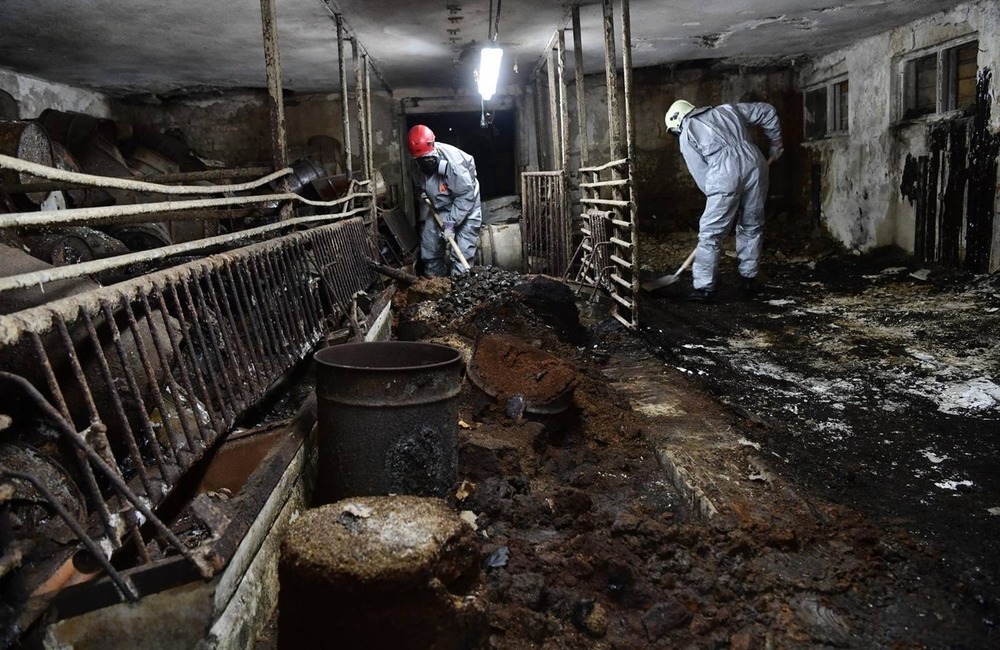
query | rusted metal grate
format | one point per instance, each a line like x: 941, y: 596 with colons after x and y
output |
x: 546, y: 235
x: 121, y: 390
x: 608, y: 251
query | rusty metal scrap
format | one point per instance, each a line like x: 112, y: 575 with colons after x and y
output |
x: 119, y: 391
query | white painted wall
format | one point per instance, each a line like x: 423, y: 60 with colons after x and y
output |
x: 34, y: 95
x: 862, y: 204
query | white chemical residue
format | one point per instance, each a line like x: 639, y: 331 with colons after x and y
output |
x: 953, y: 485
x: 934, y: 458
x: 780, y: 303
x: 979, y: 394
x: 994, y: 511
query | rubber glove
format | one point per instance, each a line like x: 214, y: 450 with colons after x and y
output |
x: 776, y: 151
x: 449, y: 230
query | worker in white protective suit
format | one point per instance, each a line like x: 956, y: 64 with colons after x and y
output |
x: 447, y: 176
x: 730, y: 169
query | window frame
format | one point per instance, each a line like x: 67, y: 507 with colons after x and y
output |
x: 837, y: 109
x: 945, y: 78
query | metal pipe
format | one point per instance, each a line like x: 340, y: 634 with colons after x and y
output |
x: 90, y: 180
x: 611, y: 80
x: 554, y: 128
x: 581, y: 105
x: 630, y: 148
x: 370, y: 148
x: 605, y: 166
x: 106, y: 213
x: 563, y: 105
x: 180, y: 177
x: 344, y: 103
x: 359, y: 92
x: 35, y: 278
x: 272, y: 60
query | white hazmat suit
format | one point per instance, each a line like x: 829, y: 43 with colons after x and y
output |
x: 731, y: 171
x: 454, y: 190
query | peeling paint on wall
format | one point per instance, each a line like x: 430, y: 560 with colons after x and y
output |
x: 34, y: 95
x: 952, y: 188
x: 915, y: 183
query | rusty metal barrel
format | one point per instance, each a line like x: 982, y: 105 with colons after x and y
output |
x: 387, y: 419
x: 27, y: 141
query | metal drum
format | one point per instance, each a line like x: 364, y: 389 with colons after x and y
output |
x: 27, y: 141
x: 76, y: 130
x: 387, y: 418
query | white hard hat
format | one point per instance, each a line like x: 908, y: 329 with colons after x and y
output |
x: 675, y: 114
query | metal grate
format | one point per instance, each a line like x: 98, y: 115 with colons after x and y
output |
x: 121, y: 390
x: 609, y: 248
x: 546, y: 236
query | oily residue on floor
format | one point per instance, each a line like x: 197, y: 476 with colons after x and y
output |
x: 587, y: 544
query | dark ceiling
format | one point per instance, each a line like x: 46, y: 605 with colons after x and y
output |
x: 162, y: 46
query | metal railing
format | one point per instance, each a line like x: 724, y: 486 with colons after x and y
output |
x: 108, y: 398
x: 608, y: 251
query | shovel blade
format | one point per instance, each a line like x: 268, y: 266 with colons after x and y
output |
x: 660, y: 282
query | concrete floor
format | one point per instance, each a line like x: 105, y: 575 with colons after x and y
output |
x: 870, y: 382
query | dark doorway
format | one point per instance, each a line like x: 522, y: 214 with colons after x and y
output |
x: 493, y: 147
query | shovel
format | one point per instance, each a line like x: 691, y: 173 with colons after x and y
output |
x: 667, y: 280
x: 451, y: 239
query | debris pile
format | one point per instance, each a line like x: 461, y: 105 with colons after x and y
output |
x: 585, y: 541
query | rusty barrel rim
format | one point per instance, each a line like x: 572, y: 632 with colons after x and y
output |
x: 388, y: 374
x: 351, y: 355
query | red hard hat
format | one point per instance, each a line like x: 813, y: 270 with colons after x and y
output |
x: 421, y: 141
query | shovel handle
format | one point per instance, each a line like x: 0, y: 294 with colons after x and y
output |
x: 451, y: 240
x: 687, y: 262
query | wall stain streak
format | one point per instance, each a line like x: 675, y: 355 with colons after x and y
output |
x: 952, y: 188
x: 984, y: 149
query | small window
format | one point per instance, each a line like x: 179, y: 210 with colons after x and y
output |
x: 961, y: 65
x: 941, y: 81
x: 816, y: 126
x: 826, y: 109
x: 839, y: 121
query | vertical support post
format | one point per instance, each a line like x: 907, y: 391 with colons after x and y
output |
x: 630, y: 148
x: 369, y: 145
x: 563, y: 103
x: 581, y: 110
x: 369, y: 141
x: 611, y: 79
x: 627, y: 70
x: 554, y: 129
x: 539, y: 122
x: 359, y: 92
x: 272, y: 60
x: 344, y: 103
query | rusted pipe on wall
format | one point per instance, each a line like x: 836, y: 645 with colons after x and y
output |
x: 110, y: 212
x: 581, y: 112
x: 611, y: 81
x: 344, y: 103
x: 52, y: 173
x: 36, y: 278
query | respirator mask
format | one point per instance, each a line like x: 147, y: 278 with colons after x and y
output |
x: 428, y: 164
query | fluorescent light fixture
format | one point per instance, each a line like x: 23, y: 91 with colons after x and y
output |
x: 489, y: 71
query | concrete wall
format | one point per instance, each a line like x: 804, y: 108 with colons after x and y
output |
x: 34, y: 95
x: 863, y: 170
x: 229, y: 128
x: 668, y: 198
x: 234, y: 128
